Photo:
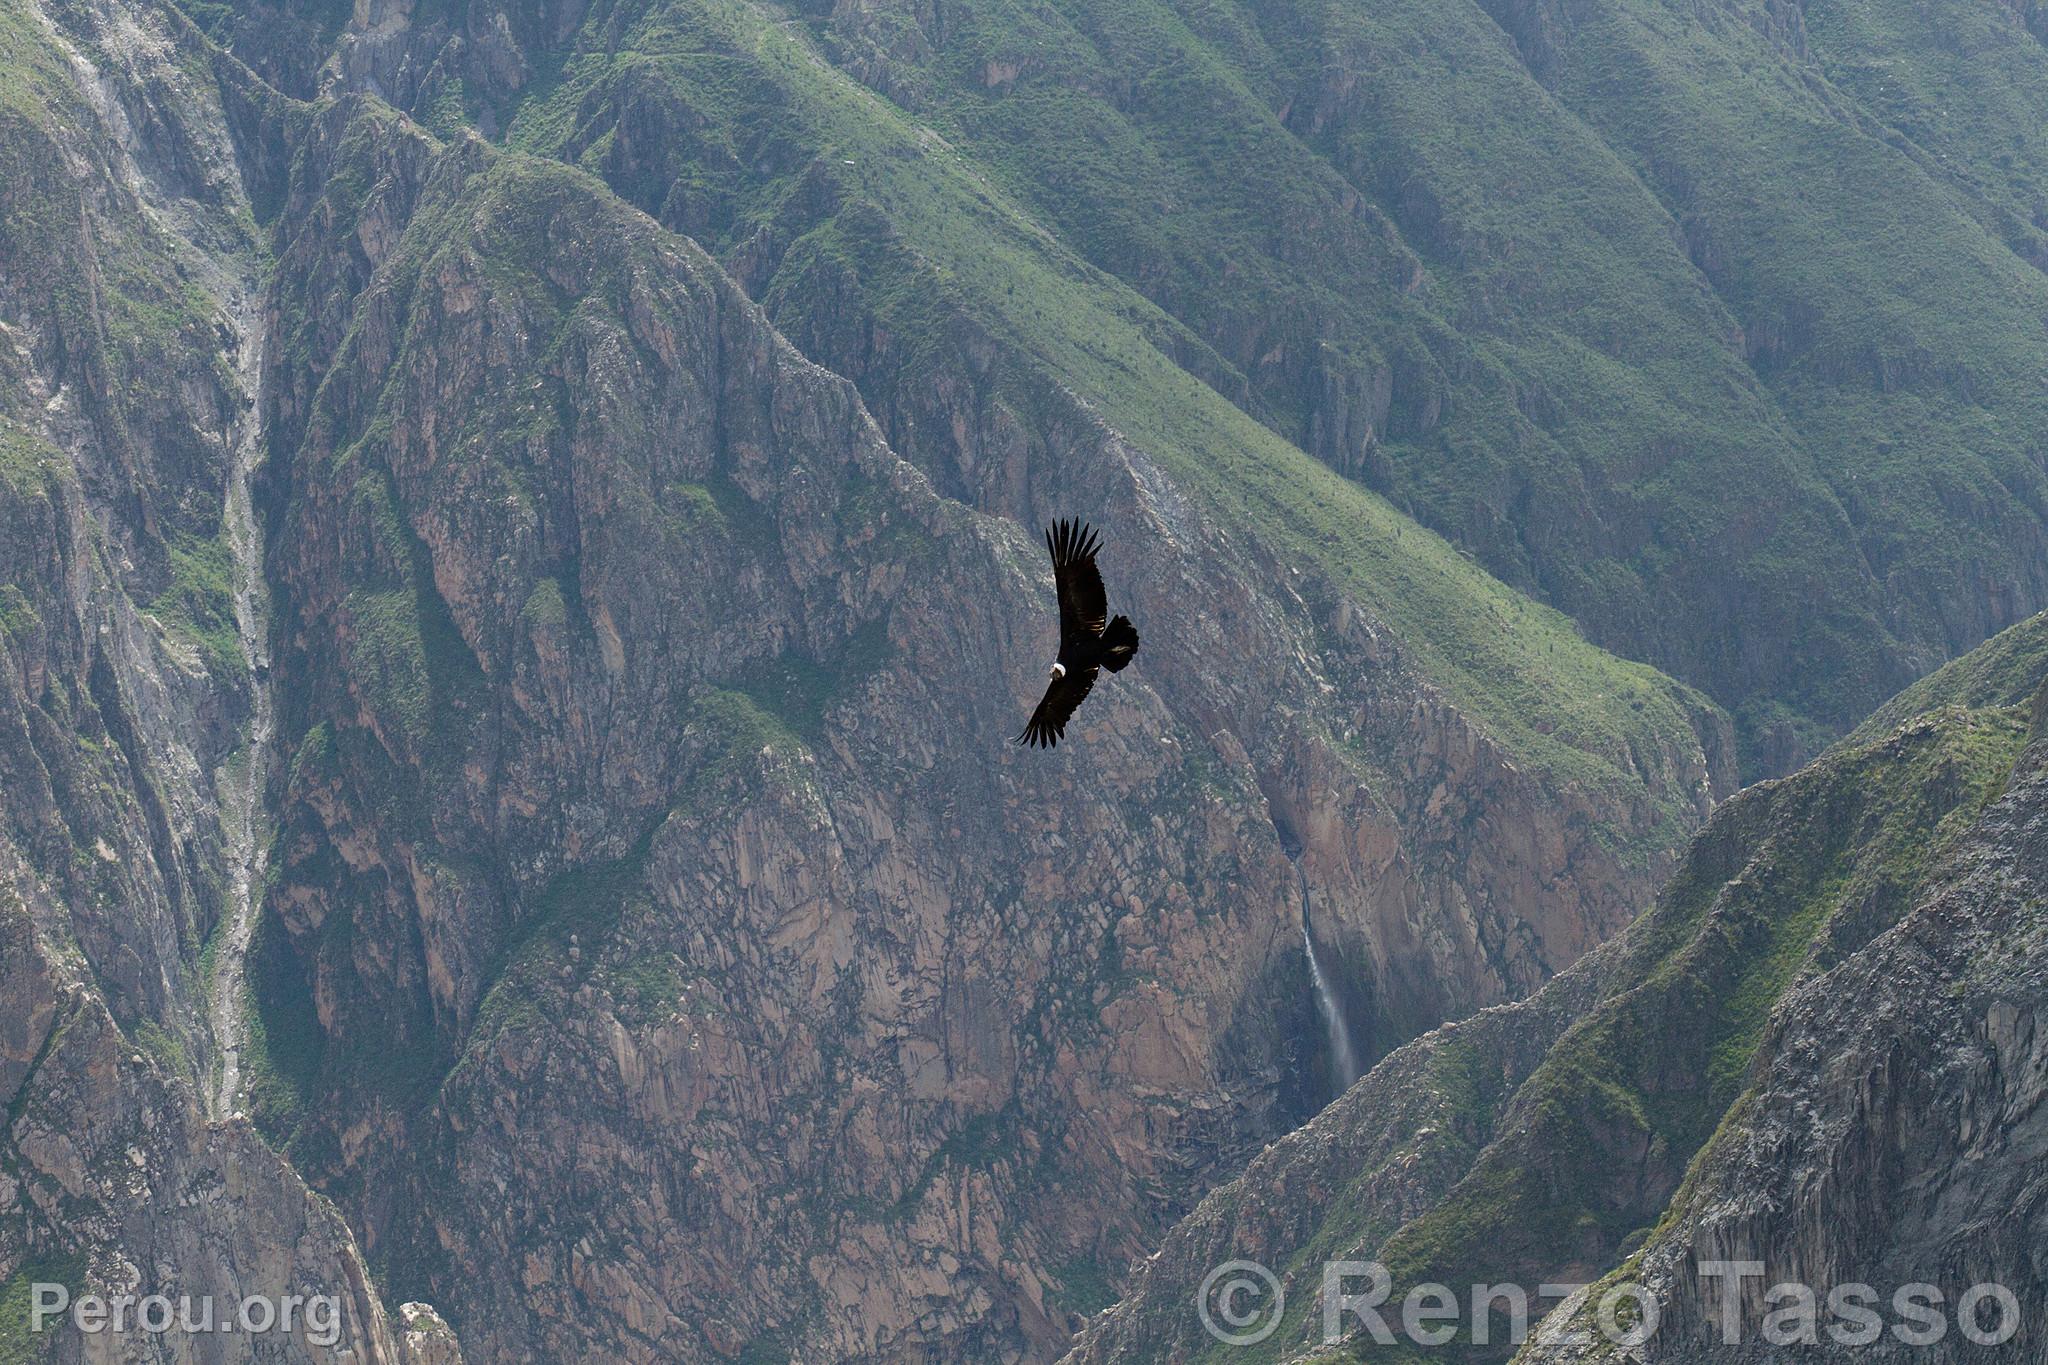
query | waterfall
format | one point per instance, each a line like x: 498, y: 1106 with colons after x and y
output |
x: 1343, y: 1056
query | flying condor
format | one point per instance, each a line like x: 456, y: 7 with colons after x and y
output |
x: 1089, y: 639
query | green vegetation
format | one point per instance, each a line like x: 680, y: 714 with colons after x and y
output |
x: 1085, y: 1287
x: 1465, y: 1094
x: 315, y: 754
x: 977, y: 1144
x: 283, y: 1044
x: 389, y: 655
x: 2003, y: 672
x: 447, y: 115
x: 32, y: 74
x: 1582, y: 1163
x: 19, y: 1343
x: 199, y: 602
x: 165, y: 1047
x: 971, y: 255
x: 1722, y: 337
x: 796, y: 690
x: 546, y: 607
x: 18, y: 616
x: 1155, y: 139
x: 1552, y: 374
x: 28, y: 466
x: 585, y: 904
x: 1786, y: 879
x: 405, y: 646
x: 112, y: 306
x: 738, y: 729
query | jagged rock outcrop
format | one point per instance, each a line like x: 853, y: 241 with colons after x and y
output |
x: 112, y: 1182
x: 723, y: 999
x: 127, y: 284
x: 1674, y: 1097
x: 1890, y: 1135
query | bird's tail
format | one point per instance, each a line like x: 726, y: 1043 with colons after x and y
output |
x: 1120, y: 642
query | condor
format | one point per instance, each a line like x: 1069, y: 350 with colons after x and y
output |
x: 1089, y: 640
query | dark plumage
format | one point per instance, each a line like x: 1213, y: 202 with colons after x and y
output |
x: 1089, y: 640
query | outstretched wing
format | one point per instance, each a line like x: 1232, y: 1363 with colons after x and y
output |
x: 1084, y: 607
x: 1049, y: 722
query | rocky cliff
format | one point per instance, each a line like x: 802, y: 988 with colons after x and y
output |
x: 1889, y: 1135
x: 559, y: 795
x: 1757, y: 1069
x: 1558, y: 281
x: 518, y: 562
x: 128, y: 343
x: 723, y: 1000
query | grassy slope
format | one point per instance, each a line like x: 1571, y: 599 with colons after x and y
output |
x: 1663, y: 288
x: 761, y: 96
x: 1858, y: 829
x: 1549, y: 345
x: 32, y: 75
x: 1826, y: 859
x: 1964, y: 84
x: 1902, y: 339
x: 2005, y: 667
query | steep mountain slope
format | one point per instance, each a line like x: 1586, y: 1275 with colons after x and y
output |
x: 126, y: 370
x: 707, y: 975
x: 1599, y: 291
x: 1473, y: 304
x: 1884, y: 288
x: 604, y: 828
x: 1894, y: 1138
x: 512, y: 606
x: 1676, y: 1094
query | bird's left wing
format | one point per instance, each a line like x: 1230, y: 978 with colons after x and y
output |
x: 1048, y: 724
x: 1084, y: 606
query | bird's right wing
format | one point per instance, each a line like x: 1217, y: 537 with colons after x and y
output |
x: 1048, y: 724
x: 1084, y: 606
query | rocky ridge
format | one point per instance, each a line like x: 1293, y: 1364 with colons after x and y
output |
x: 1889, y: 1137
x: 132, y: 268
x: 1673, y: 1097
x: 615, y: 814
x: 1555, y: 323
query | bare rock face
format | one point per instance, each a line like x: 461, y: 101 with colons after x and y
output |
x: 428, y: 1339
x: 116, y: 1185
x: 1811, y: 1053
x: 1391, y: 1149
x: 1891, y: 1136
x: 685, y: 965
x: 661, y: 954
x: 127, y: 339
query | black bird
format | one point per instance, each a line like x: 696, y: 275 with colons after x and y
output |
x: 1089, y: 641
